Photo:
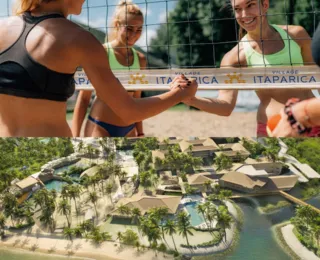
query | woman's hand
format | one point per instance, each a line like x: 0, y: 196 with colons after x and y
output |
x: 284, y: 128
x: 184, y: 84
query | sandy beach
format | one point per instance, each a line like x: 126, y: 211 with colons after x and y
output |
x: 197, y: 123
x: 79, y: 248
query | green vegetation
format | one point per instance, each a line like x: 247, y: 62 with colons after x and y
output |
x: 20, y: 157
x: 307, y: 228
x: 223, y: 162
x: 310, y: 189
x: 210, y: 24
x: 273, y: 207
x: 255, y: 148
x: 306, y: 150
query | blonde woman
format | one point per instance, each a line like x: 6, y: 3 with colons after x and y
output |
x: 262, y: 44
x: 39, y: 52
x: 102, y: 120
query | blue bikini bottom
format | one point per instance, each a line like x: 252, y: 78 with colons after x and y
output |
x: 113, y: 130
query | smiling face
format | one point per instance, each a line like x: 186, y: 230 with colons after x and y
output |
x: 128, y: 33
x: 250, y: 13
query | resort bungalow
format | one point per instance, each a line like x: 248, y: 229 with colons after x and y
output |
x: 235, y: 156
x: 165, y: 142
x: 199, y: 148
x: 29, y: 184
x: 272, y: 168
x: 244, y: 183
x: 168, y: 183
x: 145, y: 203
x: 199, y: 180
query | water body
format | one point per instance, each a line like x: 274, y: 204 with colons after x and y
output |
x: 256, y: 237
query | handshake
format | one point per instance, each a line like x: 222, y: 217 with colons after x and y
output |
x: 186, y: 87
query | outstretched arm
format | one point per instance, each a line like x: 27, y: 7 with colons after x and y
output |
x: 226, y: 101
x: 93, y: 59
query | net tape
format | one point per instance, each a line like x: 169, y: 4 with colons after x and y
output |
x: 307, y: 77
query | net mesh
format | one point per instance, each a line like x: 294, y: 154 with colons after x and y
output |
x: 192, y: 36
x: 191, y: 33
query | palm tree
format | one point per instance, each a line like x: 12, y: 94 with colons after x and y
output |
x: 201, y: 209
x: 224, y: 220
x: 47, y: 219
x: 68, y: 233
x: 28, y: 206
x: 2, y: 224
x: 74, y: 193
x: 184, y: 225
x: 124, y: 210
x: 109, y: 189
x: 10, y: 203
x: 207, y: 185
x: 64, y: 208
x: 170, y: 228
x: 93, y: 198
x: 136, y: 214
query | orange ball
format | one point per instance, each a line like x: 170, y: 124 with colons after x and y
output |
x: 272, y: 123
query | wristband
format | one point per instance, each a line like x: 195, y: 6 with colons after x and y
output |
x: 292, y: 120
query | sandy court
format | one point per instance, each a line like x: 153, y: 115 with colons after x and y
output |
x: 197, y: 123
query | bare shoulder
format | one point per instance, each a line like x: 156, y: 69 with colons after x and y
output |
x: 142, y: 59
x: 235, y: 57
x: 296, y: 31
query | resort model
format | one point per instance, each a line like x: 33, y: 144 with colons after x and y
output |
x: 161, y: 198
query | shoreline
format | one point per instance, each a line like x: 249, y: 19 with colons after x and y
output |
x: 78, y: 249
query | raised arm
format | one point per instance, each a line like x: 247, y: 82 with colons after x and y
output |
x: 80, y: 111
x: 93, y: 59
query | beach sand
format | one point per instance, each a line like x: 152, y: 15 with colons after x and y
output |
x: 79, y: 248
x: 198, y: 123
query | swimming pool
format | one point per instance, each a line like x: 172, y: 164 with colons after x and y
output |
x: 55, y: 185
x: 196, y: 218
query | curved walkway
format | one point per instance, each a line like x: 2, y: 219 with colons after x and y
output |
x: 295, y: 245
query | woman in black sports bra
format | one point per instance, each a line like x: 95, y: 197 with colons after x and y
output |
x: 39, y: 52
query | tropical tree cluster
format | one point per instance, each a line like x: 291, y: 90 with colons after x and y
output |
x: 20, y: 215
x: 175, y: 160
x: 307, y: 227
x: 254, y: 148
x: 223, y: 162
x: 199, y: 33
x: 20, y: 157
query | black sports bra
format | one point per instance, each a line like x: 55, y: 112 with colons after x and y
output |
x: 22, y: 76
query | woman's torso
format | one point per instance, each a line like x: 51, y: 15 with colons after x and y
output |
x: 34, y: 83
x: 100, y: 110
x: 286, y: 52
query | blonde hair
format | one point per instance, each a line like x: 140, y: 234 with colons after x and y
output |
x: 22, y: 6
x: 123, y: 9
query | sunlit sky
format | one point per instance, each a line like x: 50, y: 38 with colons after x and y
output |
x: 98, y: 14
